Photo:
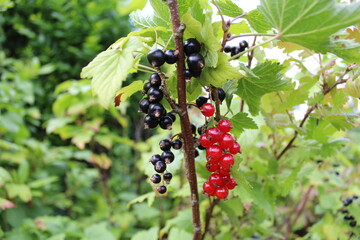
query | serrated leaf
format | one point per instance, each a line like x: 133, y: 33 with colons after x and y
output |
x: 229, y: 88
x: 268, y: 79
x: 150, y: 197
x: 311, y: 23
x: 228, y: 8
x: 241, y: 121
x: 340, y: 122
x: 148, y: 17
x: 220, y: 74
x: 110, y: 68
x: 185, y: 5
x: 257, y: 21
x: 125, y: 92
x: 161, y: 9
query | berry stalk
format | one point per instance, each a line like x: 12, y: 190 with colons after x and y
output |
x: 188, y: 146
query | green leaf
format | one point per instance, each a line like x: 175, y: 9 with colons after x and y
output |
x: 179, y: 234
x: 265, y: 78
x: 148, y: 17
x: 126, y: 92
x: 229, y: 88
x: 220, y: 74
x: 150, y: 197
x: 340, y: 122
x: 233, y: 210
x: 161, y: 9
x: 257, y: 21
x: 18, y: 190
x: 151, y: 234
x: 4, y: 204
x: 311, y: 23
x: 241, y: 121
x: 185, y: 5
x: 98, y: 231
x: 110, y: 68
x: 228, y: 8
x: 288, y: 183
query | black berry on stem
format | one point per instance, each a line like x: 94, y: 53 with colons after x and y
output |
x: 191, y: 46
x: 165, y: 144
x: 177, y: 144
x: 150, y: 122
x: 156, y: 110
x: 160, y: 167
x: 161, y: 189
x: 156, y: 178
x: 167, y: 177
x: 167, y: 157
x: 155, y: 94
x: 166, y: 123
x: 155, y: 158
x: 155, y: 80
x: 171, y: 57
x: 144, y: 105
x: 156, y: 57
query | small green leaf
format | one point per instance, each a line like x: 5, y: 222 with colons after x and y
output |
x: 150, y: 197
x: 18, y: 190
x: 228, y: 8
x: 229, y: 88
x: 241, y: 121
x: 220, y: 74
x: 126, y: 92
x: 148, y: 18
x: 257, y: 21
x: 110, y: 68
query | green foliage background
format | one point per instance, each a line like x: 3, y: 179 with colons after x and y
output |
x: 70, y: 169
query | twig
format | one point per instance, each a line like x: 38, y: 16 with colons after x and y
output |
x: 251, y: 54
x: 208, y: 216
x: 251, y: 35
x: 166, y: 93
x: 189, y: 151
x: 225, y: 27
x: 215, y: 95
x: 242, y: 103
x: 240, y: 16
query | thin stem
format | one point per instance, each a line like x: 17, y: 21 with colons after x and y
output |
x: 242, y: 103
x: 166, y: 93
x: 240, y: 16
x: 252, y: 48
x: 208, y: 216
x: 215, y: 95
x: 252, y: 35
x: 146, y: 67
x: 189, y: 150
x: 225, y: 26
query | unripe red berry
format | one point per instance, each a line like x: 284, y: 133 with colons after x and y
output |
x: 207, y: 109
x: 224, y: 125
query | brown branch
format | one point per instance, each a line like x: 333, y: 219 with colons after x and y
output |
x: 225, y: 26
x: 242, y: 103
x: 189, y: 151
x: 215, y: 95
x: 208, y: 216
x: 166, y: 93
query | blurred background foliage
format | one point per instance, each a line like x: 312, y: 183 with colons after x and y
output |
x: 70, y: 169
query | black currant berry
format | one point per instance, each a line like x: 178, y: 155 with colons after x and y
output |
x: 227, y: 49
x: 355, y: 197
x: 167, y: 157
x: 150, y: 122
x: 161, y: 189
x: 187, y: 74
x: 193, y: 128
x: 344, y: 210
x: 167, y: 177
x: 196, y: 153
x: 352, y: 223
x: 165, y: 144
x: 156, y: 110
x: 348, y: 217
x: 172, y: 116
x: 191, y: 46
x: 144, y: 105
x: 234, y: 51
x: 156, y: 57
x: 347, y: 201
x: 166, y: 123
x: 195, y: 62
x: 155, y: 158
x: 243, y: 44
x: 146, y: 87
x: 201, y: 129
x: 156, y: 178
x: 155, y: 80
x: 155, y: 94
x: 177, y: 144
x: 160, y: 166
x: 201, y: 147
x: 221, y: 95
x: 171, y: 57
x: 201, y: 100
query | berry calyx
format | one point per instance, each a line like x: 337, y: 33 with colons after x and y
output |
x: 200, y: 101
x: 165, y: 144
x: 156, y: 178
x: 156, y: 57
x: 207, y: 109
x: 167, y: 177
x: 161, y: 189
x: 191, y: 46
x: 221, y: 192
x: 155, y: 94
x: 224, y: 125
x: 166, y: 123
x: 171, y: 56
x: 177, y: 144
x: 155, y: 80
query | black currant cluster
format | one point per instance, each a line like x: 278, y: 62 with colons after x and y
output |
x: 160, y: 163
x: 346, y: 202
x: 195, y: 61
x: 150, y: 105
x: 236, y: 50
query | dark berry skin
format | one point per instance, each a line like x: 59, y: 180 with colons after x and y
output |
x: 150, y: 122
x: 187, y: 74
x: 146, y: 87
x: 227, y: 49
x: 221, y: 95
x: 144, y: 105
x: 161, y: 189
x: 344, y: 210
x: 167, y: 157
x: 196, y: 153
x: 156, y: 58
x: 348, y: 217
x: 166, y: 123
x: 243, y: 44
x: 177, y: 144
x: 347, y: 201
x: 352, y: 223
x: 155, y: 94
x: 155, y: 80
x: 193, y: 128
x: 156, y: 110
x: 195, y: 62
x: 355, y: 197
x: 201, y: 100
x: 172, y: 116
x: 156, y: 178
x: 167, y: 177
x: 201, y: 147
x: 160, y: 167
x: 155, y: 158
x: 201, y: 129
x: 191, y: 46
x: 165, y: 144
x: 171, y: 57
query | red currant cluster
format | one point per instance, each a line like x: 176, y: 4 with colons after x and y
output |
x: 220, y: 147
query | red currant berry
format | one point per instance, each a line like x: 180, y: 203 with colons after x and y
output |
x: 212, y: 166
x: 214, y: 134
x: 224, y: 125
x: 205, y: 141
x: 207, y: 109
x: 235, y: 148
x: 224, y: 170
x: 231, y: 184
x: 227, y: 160
x: 209, y: 188
x: 226, y: 141
x: 221, y: 192
x: 213, y: 152
x: 225, y: 179
x: 216, y: 179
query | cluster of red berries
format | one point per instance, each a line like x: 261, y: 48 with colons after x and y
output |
x: 220, y: 147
